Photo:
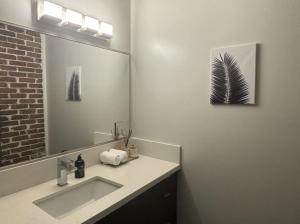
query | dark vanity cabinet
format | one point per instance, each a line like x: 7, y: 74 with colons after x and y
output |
x: 155, y: 206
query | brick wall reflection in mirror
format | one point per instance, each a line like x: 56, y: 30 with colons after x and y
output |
x: 21, y: 95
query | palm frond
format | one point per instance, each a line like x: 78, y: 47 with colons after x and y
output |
x: 228, y: 83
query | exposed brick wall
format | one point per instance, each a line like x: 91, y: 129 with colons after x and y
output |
x: 22, y: 129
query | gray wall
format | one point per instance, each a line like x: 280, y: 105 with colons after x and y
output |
x: 241, y: 164
x: 105, y: 93
x: 117, y: 12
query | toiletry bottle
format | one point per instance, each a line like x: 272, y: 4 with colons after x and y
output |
x: 79, y: 164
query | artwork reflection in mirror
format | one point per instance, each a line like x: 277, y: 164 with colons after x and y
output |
x: 56, y: 94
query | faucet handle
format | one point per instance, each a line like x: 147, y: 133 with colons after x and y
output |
x: 66, y: 162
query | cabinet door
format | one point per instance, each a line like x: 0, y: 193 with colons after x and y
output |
x: 163, y: 200
x: 155, y: 206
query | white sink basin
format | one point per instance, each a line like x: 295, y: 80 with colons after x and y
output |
x: 64, y: 202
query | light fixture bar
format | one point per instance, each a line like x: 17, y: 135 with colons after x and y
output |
x: 72, y: 19
x: 90, y: 25
x: 53, y: 13
x: 49, y: 11
x: 105, y: 30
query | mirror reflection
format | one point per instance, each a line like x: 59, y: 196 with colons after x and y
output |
x: 57, y: 95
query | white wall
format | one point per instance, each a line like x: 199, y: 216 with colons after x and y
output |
x: 241, y: 164
x: 117, y: 12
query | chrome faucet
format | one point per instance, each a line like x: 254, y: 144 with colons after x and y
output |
x: 64, y: 166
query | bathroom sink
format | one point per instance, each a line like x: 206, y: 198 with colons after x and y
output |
x: 65, y: 202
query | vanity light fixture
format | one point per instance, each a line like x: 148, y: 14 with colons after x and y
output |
x: 72, y: 19
x: 49, y: 12
x: 90, y: 25
x: 58, y: 15
x: 105, y: 30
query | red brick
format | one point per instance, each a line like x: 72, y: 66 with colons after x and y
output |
x: 36, y: 116
x: 9, y: 134
x: 38, y: 86
x: 13, y: 156
x: 9, y: 101
x: 20, y: 149
x: 8, y: 112
x: 34, y: 75
x: 38, y: 145
x: 13, y: 51
x: 17, y: 74
x: 32, y: 44
x: 3, y: 62
x: 15, y: 29
x: 19, y: 106
x: 37, y: 39
x: 27, y: 153
x: 19, y: 117
x: 27, y: 111
x: 27, y: 100
x: 5, y: 163
x: 35, y: 95
x: 7, y: 33
x: 7, y: 79
x: 33, y: 65
x: 7, y: 90
x: 7, y: 56
x: 36, y: 106
x: 37, y: 126
x: 31, y: 141
x: 25, y: 69
x: 31, y: 121
x: 4, y: 140
x: 33, y: 55
x: 18, y: 95
x: 38, y: 135
x: 8, y: 68
x: 24, y: 37
x: 18, y: 63
x: 15, y: 40
x: 21, y: 159
x: 32, y: 33
x: 2, y: 49
x: 27, y: 90
x: 10, y: 145
x: 3, y: 84
x: 27, y: 80
x: 38, y: 60
x: 3, y: 73
x: 5, y: 44
x: 2, y: 130
x: 19, y: 128
x: 25, y: 48
x: 25, y: 58
x: 3, y: 107
x: 18, y: 85
x: 8, y: 123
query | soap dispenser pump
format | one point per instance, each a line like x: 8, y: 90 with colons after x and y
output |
x: 80, y: 166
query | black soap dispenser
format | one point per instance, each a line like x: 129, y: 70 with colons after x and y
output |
x: 79, y: 164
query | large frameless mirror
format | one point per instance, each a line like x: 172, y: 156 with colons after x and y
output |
x: 56, y: 94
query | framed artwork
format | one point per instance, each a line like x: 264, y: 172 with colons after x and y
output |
x: 233, y: 71
x: 73, y: 83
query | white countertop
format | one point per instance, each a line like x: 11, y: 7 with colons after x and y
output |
x: 136, y: 177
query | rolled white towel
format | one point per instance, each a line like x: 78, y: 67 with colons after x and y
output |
x: 110, y: 158
x: 123, y: 154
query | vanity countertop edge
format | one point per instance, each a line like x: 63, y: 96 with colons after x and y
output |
x: 136, y: 177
